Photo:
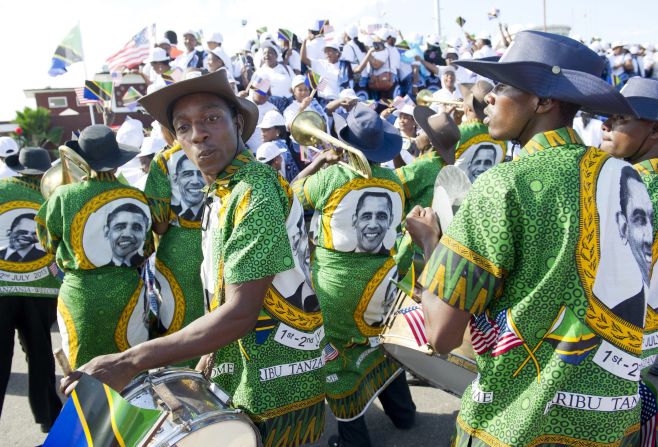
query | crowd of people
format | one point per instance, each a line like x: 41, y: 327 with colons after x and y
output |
x: 216, y: 240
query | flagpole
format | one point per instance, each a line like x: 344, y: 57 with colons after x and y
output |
x: 84, y: 65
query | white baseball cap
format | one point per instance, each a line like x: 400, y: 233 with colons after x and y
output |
x: 163, y: 40
x: 352, y: 31
x: 216, y: 37
x: 385, y: 33
x: 151, y: 145
x: 348, y: 93
x: 268, y: 151
x: 332, y: 44
x: 298, y: 79
x: 8, y: 146
x: 407, y: 109
x: 272, y: 119
x: 158, y: 55
x: 131, y: 133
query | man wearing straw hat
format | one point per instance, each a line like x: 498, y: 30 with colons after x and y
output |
x: 249, y: 269
x: 530, y: 260
x: 28, y: 284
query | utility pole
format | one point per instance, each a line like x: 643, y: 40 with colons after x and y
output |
x: 437, y: 13
x: 545, y: 27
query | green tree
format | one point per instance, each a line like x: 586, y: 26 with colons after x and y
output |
x: 35, y: 126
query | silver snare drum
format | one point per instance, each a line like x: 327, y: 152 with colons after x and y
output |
x: 200, y: 413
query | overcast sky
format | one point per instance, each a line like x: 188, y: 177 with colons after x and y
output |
x: 30, y: 30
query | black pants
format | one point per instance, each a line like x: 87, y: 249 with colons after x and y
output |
x: 398, y: 406
x: 32, y: 318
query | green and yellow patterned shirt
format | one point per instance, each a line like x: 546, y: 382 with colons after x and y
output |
x: 25, y: 267
x: 418, y: 178
x: 540, y: 253
x: 254, y: 228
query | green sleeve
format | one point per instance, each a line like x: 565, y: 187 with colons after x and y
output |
x: 258, y: 244
x: 468, y: 267
x: 49, y: 224
x: 158, y: 189
x: 418, y: 180
x: 310, y: 189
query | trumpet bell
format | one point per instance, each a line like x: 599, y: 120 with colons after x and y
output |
x: 424, y: 97
x: 302, y: 123
x: 308, y: 129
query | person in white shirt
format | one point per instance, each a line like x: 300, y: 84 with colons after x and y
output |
x: 589, y: 128
x: 214, y: 44
x: 8, y: 146
x: 192, y: 57
x: 618, y: 58
x: 258, y: 93
x: 280, y: 75
x: 462, y: 75
x: 301, y: 101
x: 316, y: 43
x: 290, y: 56
x: 329, y: 69
x: 448, y: 91
x: 483, y: 46
x: 159, y: 60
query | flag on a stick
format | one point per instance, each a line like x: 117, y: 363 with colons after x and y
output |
x: 133, y: 53
x: 285, y: 35
x: 80, y: 97
x: 97, y: 90
x: 416, y: 321
x: 68, y: 52
x: 96, y: 415
x: 312, y: 79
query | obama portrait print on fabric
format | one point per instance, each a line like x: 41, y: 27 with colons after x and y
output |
x: 115, y: 233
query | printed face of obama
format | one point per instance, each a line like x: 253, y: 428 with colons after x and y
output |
x: 372, y: 219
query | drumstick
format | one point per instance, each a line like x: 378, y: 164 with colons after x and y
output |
x: 63, y: 362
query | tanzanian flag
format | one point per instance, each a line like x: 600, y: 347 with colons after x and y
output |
x: 312, y: 79
x: 168, y: 77
x: 131, y: 96
x: 97, y: 416
x: 68, y: 52
x: 99, y: 91
x: 572, y: 339
x: 264, y: 327
x: 285, y: 35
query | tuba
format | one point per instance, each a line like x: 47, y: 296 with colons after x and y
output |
x: 72, y: 168
x: 425, y: 98
x: 308, y: 129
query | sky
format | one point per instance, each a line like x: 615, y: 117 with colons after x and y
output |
x: 30, y: 30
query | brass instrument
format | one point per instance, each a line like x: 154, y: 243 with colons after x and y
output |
x: 71, y: 169
x: 308, y: 129
x: 425, y: 98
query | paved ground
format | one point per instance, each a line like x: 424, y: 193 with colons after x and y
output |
x: 436, y: 415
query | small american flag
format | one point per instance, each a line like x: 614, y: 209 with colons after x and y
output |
x: 508, y: 338
x: 416, y: 321
x: 55, y: 271
x: 329, y: 353
x: 80, y: 97
x: 322, y: 85
x: 648, y: 416
x: 484, y: 333
x: 401, y: 101
x: 132, y: 54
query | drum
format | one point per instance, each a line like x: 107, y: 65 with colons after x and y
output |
x: 200, y: 412
x: 452, y: 372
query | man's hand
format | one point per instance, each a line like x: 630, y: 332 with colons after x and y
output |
x: 424, y: 229
x: 243, y: 93
x: 109, y: 369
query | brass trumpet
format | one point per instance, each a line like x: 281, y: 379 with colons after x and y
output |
x: 425, y: 98
x: 71, y: 169
x: 308, y: 129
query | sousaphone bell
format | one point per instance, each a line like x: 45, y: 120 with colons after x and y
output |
x: 72, y: 168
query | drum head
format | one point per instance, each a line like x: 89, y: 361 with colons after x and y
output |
x: 437, y: 371
x: 235, y: 433
x: 450, y: 189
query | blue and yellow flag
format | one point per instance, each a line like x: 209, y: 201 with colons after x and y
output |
x: 97, y: 90
x: 97, y: 416
x: 573, y: 341
x: 312, y: 79
x: 68, y: 52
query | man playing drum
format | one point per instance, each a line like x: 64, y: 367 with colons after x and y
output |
x: 531, y: 260
x: 250, y: 218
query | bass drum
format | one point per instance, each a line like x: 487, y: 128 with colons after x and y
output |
x: 451, y: 373
x: 200, y: 412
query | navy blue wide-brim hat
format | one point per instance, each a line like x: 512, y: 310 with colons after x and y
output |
x: 98, y: 146
x: 642, y: 93
x: 364, y: 130
x: 29, y: 161
x: 553, y: 66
